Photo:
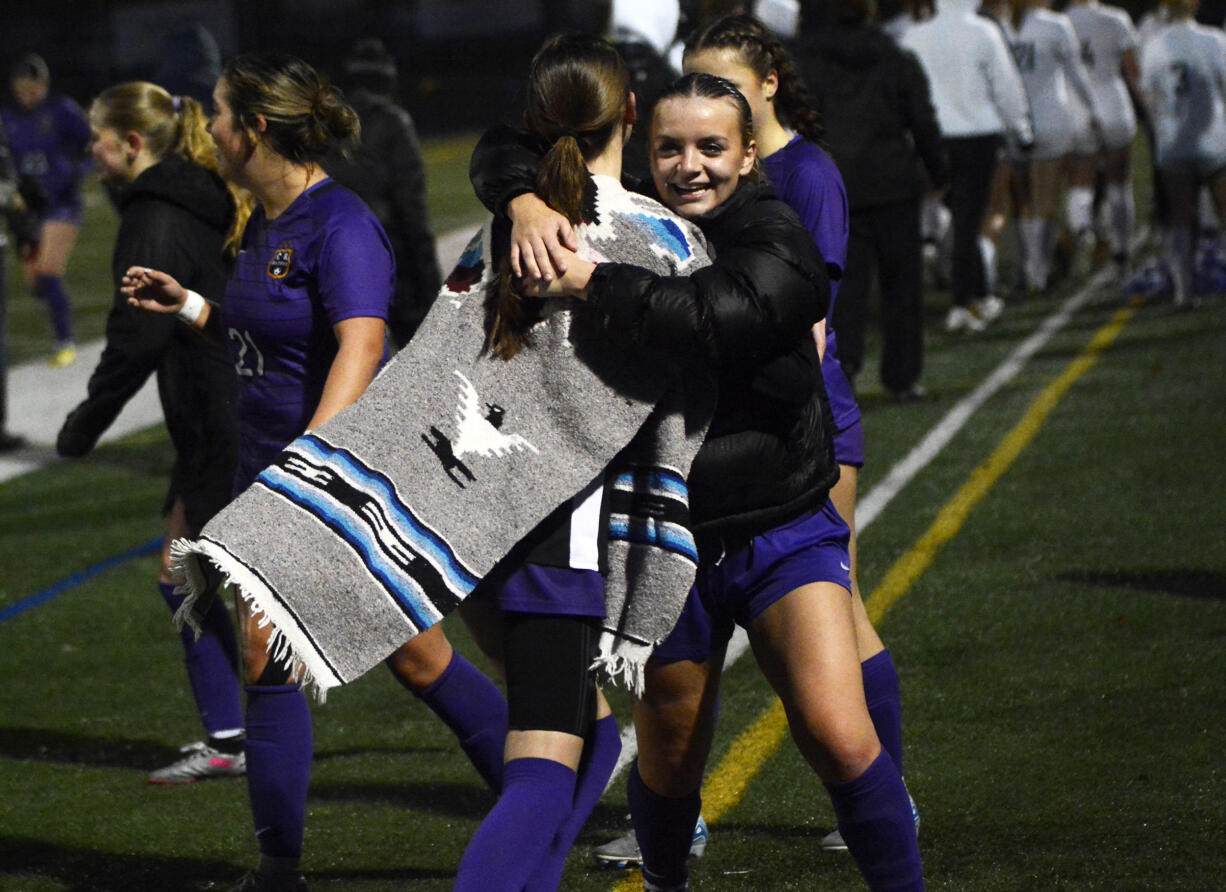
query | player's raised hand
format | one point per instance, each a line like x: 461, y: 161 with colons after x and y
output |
x: 152, y: 290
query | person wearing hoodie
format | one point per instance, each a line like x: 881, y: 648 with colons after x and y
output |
x: 642, y: 31
x: 880, y: 124
x: 388, y: 171
x: 978, y: 97
x: 175, y: 212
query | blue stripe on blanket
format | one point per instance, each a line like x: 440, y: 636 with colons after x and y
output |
x: 649, y: 531
x: 457, y: 577
x: 360, y: 506
x: 655, y: 481
x: 669, y: 234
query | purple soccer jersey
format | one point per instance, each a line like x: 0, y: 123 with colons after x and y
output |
x: 49, y: 143
x: 808, y: 182
x: 324, y: 260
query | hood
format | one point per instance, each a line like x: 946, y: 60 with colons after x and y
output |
x: 957, y: 7
x: 653, y: 20
x: 850, y: 46
x: 189, y: 186
x: 781, y: 16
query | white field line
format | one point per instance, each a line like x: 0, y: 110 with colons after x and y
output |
x: 869, y: 507
x: 41, y: 397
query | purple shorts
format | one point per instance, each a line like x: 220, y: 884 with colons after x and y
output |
x: 848, y: 432
x: 557, y: 591
x: 63, y: 212
x: 740, y: 586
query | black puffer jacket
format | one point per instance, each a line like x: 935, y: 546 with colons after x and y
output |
x: 174, y: 217
x: 768, y: 454
x: 874, y: 99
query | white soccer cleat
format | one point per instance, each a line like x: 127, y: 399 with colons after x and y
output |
x: 201, y: 761
x: 624, y: 851
x: 962, y: 319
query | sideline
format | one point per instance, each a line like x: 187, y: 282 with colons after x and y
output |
x: 726, y: 785
x: 870, y: 506
x: 153, y: 546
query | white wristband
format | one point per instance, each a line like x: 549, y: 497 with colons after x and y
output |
x: 192, y: 308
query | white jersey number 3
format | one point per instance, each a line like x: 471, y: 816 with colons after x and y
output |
x: 250, y: 361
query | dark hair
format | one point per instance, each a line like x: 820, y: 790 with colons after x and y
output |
x: 763, y: 52
x: 576, y: 100
x: 305, y: 115
x: 699, y: 85
x: 369, y: 66
x: 31, y: 66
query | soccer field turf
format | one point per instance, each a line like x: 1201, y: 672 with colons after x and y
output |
x: 1059, y: 627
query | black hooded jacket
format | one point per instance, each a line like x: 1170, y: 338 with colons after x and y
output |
x: 874, y: 98
x: 174, y: 217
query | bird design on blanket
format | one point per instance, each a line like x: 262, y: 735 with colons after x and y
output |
x: 476, y: 434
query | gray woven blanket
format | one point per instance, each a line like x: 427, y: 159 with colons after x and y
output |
x: 373, y: 527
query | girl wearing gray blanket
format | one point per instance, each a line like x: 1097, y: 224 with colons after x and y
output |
x: 772, y: 550
x: 563, y: 741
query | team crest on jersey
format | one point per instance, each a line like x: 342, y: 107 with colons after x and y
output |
x: 477, y: 433
x: 282, y: 260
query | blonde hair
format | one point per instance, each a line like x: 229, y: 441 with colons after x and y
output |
x: 170, y: 125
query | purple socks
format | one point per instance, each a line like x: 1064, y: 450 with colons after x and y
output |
x: 884, y: 702
x: 664, y: 827
x: 537, y: 796
x: 600, y: 754
x: 475, y: 711
x: 211, y: 660
x: 874, y: 817
x: 50, y: 290
x: 279, y: 746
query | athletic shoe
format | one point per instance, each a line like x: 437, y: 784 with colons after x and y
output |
x: 9, y: 442
x: 962, y: 319
x: 258, y: 882
x: 201, y: 761
x: 64, y: 356
x: 649, y: 886
x: 624, y: 851
x: 913, y: 394
x: 833, y: 841
x: 988, y: 309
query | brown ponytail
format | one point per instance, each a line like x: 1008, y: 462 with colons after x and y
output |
x: 577, y: 94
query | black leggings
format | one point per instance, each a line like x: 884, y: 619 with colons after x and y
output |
x: 549, y: 685
x: 972, y: 163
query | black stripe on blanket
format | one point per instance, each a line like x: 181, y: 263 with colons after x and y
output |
x: 651, y: 506
x: 416, y: 567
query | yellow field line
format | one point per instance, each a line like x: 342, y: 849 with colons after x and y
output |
x: 726, y: 785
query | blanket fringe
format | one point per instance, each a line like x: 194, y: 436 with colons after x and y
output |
x: 622, y: 662
x: 185, y: 556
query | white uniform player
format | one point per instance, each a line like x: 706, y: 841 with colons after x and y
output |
x: 1061, y: 100
x: 1109, y: 50
x: 1106, y: 37
x: 1183, y: 78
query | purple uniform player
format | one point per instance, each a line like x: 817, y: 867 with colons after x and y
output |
x: 323, y: 260
x: 809, y: 183
x: 49, y: 135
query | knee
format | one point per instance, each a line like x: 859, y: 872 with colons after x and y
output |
x: 420, y: 662
x: 837, y: 754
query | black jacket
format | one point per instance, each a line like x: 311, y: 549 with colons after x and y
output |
x: 769, y: 453
x: 388, y: 172
x: 873, y: 97
x: 174, y: 217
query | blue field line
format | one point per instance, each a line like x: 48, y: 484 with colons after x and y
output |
x: 151, y: 547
